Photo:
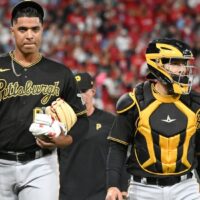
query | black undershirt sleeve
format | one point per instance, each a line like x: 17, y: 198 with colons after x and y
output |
x: 115, y: 162
x: 125, y: 177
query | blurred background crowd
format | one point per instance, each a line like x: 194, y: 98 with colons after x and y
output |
x: 108, y: 38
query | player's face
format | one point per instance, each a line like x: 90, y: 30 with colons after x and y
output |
x: 27, y: 32
x: 180, y: 66
x: 181, y: 72
x: 176, y: 69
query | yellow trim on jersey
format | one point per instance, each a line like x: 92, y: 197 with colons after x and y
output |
x: 131, y: 94
x: 37, y: 60
x: 117, y: 140
x: 81, y: 113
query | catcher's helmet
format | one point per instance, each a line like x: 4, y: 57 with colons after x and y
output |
x: 170, y: 51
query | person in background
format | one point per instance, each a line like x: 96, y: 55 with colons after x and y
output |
x: 28, y: 82
x: 160, y: 118
x: 83, y: 171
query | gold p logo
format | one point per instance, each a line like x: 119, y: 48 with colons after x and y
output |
x: 78, y: 78
x: 98, y: 126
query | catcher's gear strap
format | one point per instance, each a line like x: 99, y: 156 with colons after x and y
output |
x: 192, y: 101
x: 125, y: 102
x: 144, y: 94
x: 63, y: 112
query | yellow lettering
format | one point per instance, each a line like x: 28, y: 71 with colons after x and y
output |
x: 13, y: 89
x: 3, y: 85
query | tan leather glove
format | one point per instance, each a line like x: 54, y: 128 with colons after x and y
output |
x: 63, y: 112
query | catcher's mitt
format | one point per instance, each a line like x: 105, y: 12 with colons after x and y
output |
x: 62, y: 111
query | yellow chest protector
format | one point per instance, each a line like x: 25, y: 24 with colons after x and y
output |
x: 165, y: 133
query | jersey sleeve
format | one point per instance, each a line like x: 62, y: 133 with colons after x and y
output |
x: 124, y: 124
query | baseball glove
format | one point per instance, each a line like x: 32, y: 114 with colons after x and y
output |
x: 62, y: 111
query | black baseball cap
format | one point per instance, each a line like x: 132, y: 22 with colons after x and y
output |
x: 85, y: 81
x: 25, y: 4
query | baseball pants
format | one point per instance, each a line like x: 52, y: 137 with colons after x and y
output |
x: 33, y: 180
x: 185, y: 190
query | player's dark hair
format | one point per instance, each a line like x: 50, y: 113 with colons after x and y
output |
x: 27, y: 12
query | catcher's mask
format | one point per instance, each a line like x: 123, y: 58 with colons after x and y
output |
x: 169, y: 61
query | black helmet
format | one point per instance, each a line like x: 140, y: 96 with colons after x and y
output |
x: 169, y: 51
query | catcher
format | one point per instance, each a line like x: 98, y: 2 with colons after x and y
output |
x: 160, y: 120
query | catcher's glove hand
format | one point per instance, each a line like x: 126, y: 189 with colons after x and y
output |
x: 44, y: 126
x: 62, y: 111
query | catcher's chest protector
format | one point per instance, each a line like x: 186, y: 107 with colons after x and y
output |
x: 164, y: 140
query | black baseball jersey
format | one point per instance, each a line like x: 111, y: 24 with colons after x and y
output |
x: 83, y: 169
x: 163, y: 131
x: 24, y: 88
